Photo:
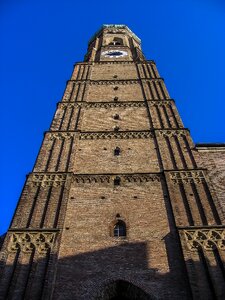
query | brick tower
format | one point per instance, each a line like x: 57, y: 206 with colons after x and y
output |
x: 119, y: 204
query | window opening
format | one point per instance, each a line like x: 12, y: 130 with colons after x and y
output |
x: 116, y: 42
x: 117, y: 180
x: 116, y: 117
x: 119, y: 229
x: 117, y: 151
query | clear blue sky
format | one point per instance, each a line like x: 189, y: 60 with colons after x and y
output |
x: 41, y: 40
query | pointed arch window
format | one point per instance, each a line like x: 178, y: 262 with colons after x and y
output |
x: 119, y: 229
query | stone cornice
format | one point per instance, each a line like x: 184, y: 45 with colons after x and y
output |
x: 210, y: 147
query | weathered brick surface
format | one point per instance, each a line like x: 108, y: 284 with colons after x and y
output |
x: 140, y: 205
x: 127, y: 91
x: 98, y: 156
x: 213, y: 158
x: 114, y: 72
x: 103, y: 119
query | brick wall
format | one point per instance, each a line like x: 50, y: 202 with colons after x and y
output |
x: 213, y: 159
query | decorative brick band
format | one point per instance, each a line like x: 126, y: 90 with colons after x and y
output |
x: 117, y: 82
x: 142, y: 177
x: 64, y: 105
x: 91, y: 178
x: 46, y: 180
x: 207, y: 239
x: 147, y: 62
x: 114, y: 82
x: 29, y: 241
x: 187, y: 176
x: 98, y: 178
x: 172, y: 133
x: 61, y: 135
x: 113, y: 63
x: 115, y: 104
x: 160, y: 102
x: 115, y: 135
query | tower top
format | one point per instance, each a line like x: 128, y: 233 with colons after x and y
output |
x: 114, y: 42
x: 114, y: 26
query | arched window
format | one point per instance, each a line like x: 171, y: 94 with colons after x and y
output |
x: 116, y: 42
x: 119, y: 229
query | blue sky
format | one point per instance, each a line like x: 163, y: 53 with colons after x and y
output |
x: 41, y: 40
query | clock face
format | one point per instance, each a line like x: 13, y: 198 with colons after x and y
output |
x: 114, y: 53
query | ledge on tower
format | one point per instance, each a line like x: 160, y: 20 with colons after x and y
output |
x: 210, y: 146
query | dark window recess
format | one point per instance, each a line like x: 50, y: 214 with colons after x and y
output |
x: 117, y: 151
x: 115, y: 88
x: 116, y: 128
x: 115, y: 76
x: 115, y: 98
x: 117, y: 180
x: 116, y: 42
x: 116, y: 117
x: 119, y: 229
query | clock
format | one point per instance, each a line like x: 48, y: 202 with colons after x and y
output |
x: 114, y: 53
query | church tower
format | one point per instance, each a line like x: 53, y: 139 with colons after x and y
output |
x: 118, y: 204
